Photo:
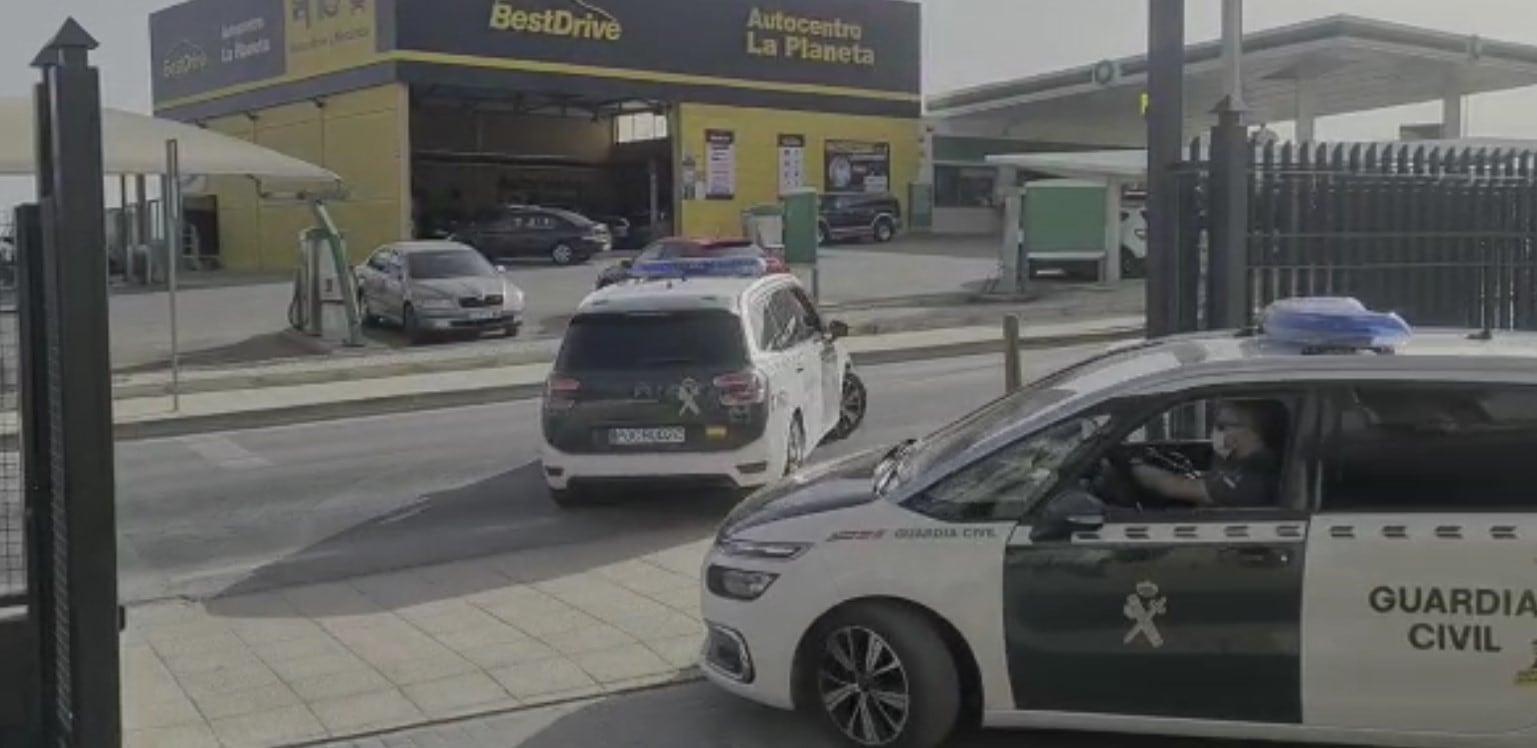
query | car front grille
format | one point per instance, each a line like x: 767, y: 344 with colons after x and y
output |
x: 476, y: 302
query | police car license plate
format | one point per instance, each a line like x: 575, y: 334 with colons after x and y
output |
x: 630, y: 437
x: 483, y: 314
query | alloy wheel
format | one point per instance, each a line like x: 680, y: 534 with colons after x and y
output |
x: 852, y: 406
x: 562, y: 254
x: 863, y: 686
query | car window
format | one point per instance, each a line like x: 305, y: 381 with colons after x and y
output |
x: 776, y: 323
x: 448, y: 263
x: 1004, y: 484
x: 790, y: 324
x: 1435, y: 448
x: 807, y: 311
x: 610, y: 341
x: 541, y: 222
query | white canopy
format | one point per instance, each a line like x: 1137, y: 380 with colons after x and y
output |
x: 1129, y: 165
x: 135, y: 144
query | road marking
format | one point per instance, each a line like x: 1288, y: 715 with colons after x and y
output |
x: 224, y: 452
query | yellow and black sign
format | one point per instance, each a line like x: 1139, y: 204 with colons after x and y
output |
x: 583, y: 20
x: 324, y: 36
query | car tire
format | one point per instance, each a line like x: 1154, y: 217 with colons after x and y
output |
x: 1132, y: 266
x: 563, y: 254
x: 411, y: 326
x: 567, y: 498
x: 795, y: 445
x: 513, y: 329
x: 915, y: 683
x: 885, y: 230
x: 852, y: 404
x: 366, y: 318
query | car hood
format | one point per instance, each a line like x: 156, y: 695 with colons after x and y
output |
x: 826, y: 487
x: 454, y: 288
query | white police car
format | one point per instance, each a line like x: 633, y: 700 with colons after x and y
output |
x: 701, y: 371
x: 1358, y: 564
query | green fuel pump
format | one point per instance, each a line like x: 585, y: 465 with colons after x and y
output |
x: 799, y: 207
x: 324, y: 297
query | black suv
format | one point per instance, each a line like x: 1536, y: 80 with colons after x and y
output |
x: 514, y: 231
x: 859, y: 215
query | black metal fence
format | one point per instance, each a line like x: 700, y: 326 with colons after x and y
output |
x: 1444, y: 236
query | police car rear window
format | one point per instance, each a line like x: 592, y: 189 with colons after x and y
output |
x: 610, y: 341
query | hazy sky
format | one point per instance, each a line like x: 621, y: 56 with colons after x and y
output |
x: 966, y: 42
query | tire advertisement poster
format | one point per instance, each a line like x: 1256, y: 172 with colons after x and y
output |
x: 720, y: 165
x: 857, y: 166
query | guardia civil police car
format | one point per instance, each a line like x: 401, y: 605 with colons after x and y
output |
x: 1350, y: 557
x: 699, y: 371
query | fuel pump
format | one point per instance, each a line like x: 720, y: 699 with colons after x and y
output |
x: 325, y: 301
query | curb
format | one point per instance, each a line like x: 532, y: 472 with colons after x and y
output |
x: 679, y: 677
x: 392, y: 404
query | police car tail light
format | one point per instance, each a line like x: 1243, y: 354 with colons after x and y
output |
x: 742, y: 388
x: 1333, y: 324
x: 560, y: 392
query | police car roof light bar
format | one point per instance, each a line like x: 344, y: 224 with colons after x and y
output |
x: 1332, y: 323
x: 700, y: 267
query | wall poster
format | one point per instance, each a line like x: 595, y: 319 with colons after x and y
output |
x: 720, y: 165
x: 792, y: 163
x: 857, y: 166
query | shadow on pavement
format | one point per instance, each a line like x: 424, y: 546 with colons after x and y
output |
x: 698, y: 715
x: 508, y: 516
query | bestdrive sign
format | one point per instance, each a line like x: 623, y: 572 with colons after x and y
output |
x: 847, y: 44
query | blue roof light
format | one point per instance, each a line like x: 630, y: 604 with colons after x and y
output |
x: 701, y: 267
x: 1333, y: 323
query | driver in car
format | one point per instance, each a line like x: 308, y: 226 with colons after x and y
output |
x: 1245, y: 469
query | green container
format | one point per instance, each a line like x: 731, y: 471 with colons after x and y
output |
x: 800, y: 226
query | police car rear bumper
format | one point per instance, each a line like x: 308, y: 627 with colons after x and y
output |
x: 749, y: 467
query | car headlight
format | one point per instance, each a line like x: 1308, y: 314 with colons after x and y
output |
x: 437, y: 305
x: 769, y: 551
x: 738, y: 584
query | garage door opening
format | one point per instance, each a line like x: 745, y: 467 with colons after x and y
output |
x: 475, y: 153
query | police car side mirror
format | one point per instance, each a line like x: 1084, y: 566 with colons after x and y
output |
x: 837, y: 329
x: 1068, y: 513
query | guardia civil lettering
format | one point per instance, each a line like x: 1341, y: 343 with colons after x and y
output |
x: 1453, y: 602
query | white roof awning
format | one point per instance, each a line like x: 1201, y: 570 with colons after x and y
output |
x: 1130, y: 165
x: 135, y: 144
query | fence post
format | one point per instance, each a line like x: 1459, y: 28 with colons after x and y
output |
x: 1011, y: 373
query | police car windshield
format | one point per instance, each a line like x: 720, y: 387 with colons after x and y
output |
x: 999, y: 415
x: 649, y: 340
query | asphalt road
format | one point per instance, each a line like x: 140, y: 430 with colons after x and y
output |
x: 697, y: 715
x: 236, y: 512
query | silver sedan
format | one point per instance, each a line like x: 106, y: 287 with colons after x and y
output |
x: 437, y: 287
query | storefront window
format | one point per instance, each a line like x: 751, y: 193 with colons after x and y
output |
x: 964, y: 186
x: 632, y: 128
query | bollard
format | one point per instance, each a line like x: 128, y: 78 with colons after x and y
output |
x: 1011, y: 373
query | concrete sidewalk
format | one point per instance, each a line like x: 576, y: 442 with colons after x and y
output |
x: 393, y: 650
x: 331, y: 394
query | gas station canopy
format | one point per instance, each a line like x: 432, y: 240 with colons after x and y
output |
x: 135, y: 144
x: 1330, y: 66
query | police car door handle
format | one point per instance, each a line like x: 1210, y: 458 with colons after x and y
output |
x: 1258, y: 557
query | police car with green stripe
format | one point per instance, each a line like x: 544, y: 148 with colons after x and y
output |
x: 1322, y: 529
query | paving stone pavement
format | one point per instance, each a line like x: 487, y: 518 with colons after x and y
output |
x: 399, y: 649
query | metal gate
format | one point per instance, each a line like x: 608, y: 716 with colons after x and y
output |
x: 1442, y: 235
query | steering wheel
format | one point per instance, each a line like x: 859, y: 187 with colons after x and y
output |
x: 1170, y: 460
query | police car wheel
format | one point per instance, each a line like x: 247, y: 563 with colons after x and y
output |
x: 882, y: 677
x: 851, y: 407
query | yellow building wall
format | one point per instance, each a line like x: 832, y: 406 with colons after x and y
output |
x: 757, y: 132
x: 360, y: 135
